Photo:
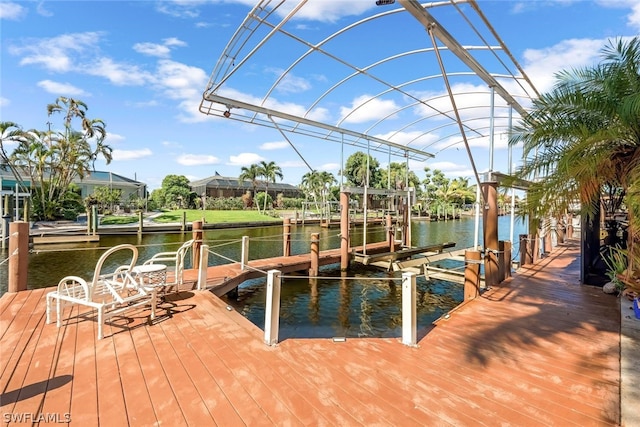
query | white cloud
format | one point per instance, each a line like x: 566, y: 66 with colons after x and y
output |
x: 174, y: 41
x: 244, y: 159
x: 365, y: 108
x: 152, y: 49
x: 290, y: 83
x: 160, y: 50
x: 197, y: 159
x: 61, y: 89
x: 55, y: 54
x: 117, y: 73
x: 42, y: 11
x: 450, y: 169
x: 542, y: 64
x: 278, y: 145
x: 125, y: 155
x: 113, y: 138
x: 329, y: 167
x: 4, y: 102
x: 12, y: 11
x: 326, y: 11
x: 633, y: 19
x: 171, y: 144
x: 184, y: 83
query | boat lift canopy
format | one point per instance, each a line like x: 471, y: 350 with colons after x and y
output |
x: 438, y: 75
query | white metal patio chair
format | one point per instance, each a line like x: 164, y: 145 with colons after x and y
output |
x: 110, y: 294
x: 174, y: 262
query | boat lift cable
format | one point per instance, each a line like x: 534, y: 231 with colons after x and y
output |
x: 290, y: 143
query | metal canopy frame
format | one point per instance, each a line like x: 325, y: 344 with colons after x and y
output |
x: 471, y: 55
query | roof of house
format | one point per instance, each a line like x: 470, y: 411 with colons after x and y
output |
x: 219, y: 181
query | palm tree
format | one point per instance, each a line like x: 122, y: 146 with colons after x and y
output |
x: 584, y: 136
x: 10, y: 133
x: 269, y: 171
x: 54, y: 159
x: 251, y: 173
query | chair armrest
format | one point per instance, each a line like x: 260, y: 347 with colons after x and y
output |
x: 73, y: 287
x: 163, y: 256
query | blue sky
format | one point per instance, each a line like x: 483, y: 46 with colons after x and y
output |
x: 142, y: 66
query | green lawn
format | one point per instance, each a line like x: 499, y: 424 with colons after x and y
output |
x: 215, y: 216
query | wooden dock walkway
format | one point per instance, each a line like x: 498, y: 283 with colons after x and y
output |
x: 223, y: 278
x: 538, y: 350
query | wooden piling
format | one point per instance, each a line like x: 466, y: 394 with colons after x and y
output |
x: 197, y: 231
x: 508, y: 249
x: 18, y: 256
x: 391, y: 235
x: 490, y: 228
x: 525, y: 250
x: 315, y: 254
x: 286, y: 237
x: 472, y: 261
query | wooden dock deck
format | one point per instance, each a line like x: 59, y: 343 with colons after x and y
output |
x: 223, y: 278
x: 538, y: 350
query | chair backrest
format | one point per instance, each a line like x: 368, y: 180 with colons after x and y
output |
x: 124, y: 268
x: 181, y: 253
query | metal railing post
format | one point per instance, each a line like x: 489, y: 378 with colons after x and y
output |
x: 244, y: 258
x: 272, y: 308
x: 202, y: 268
x: 409, y: 321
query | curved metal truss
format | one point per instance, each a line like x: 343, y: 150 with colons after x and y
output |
x: 436, y: 76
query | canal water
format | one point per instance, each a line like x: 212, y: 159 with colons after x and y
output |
x: 364, y: 303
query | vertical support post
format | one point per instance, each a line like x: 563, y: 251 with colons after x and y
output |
x: 89, y: 221
x: 526, y: 256
x: 244, y: 257
x: 315, y: 254
x: 502, y: 262
x: 272, y: 308
x: 140, y: 222
x: 535, y: 247
x: 6, y: 220
x: 95, y: 219
x: 391, y: 234
x: 472, y: 261
x: 344, y: 231
x: 202, y: 267
x: 490, y: 228
x: 410, y: 195
x: 286, y: 238
x: 18, y: 256
x: 507, y: 258
x: 183, y: 223
x: 197, y: 242
x: 409, y: 321
x: 570, y: 226
x: 548, y: 246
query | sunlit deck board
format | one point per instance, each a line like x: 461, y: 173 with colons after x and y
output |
x: 537, y: 350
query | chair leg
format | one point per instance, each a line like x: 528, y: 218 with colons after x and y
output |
x: 100, y: 321
x: 154, y: 301
x: 58, y: 314
x: 48, y: 309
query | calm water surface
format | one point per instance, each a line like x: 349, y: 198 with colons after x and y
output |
x: 330, y: 306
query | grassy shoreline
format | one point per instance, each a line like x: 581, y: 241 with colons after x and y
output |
x: 209, y: 216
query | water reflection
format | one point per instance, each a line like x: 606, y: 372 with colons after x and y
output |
x: 336, y: 305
